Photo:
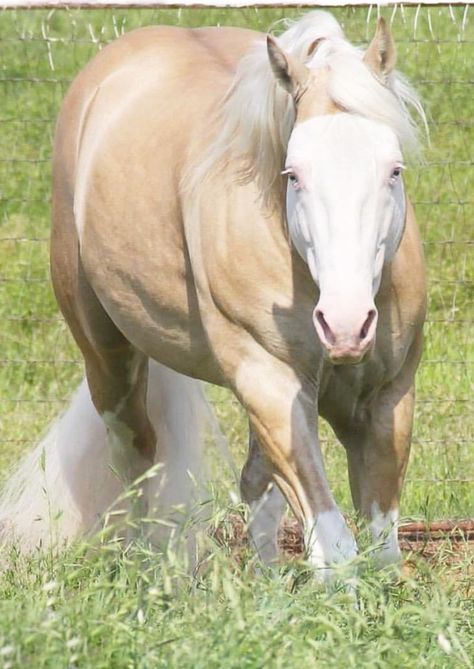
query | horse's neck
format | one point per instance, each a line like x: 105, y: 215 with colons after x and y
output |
x: 245, y: 250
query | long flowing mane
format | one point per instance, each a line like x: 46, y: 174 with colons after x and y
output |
x: 257, y: 115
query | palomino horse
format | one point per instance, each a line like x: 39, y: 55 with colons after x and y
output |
x: 175, y: 151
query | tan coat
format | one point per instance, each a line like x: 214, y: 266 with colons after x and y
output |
x: 221, y: 296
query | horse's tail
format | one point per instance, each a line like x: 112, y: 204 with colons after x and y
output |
x: 63, y: 488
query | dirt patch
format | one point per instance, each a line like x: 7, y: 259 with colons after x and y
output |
x: 446, y: 543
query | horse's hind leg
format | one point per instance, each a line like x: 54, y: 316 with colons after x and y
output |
x: 116, y: 371
x: 117, y: 378
x: 265, y: 500
x: 118, y: 385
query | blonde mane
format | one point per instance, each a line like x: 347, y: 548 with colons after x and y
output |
x: 257, y: 115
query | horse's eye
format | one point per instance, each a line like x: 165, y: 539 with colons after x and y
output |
x: 292, y: 178
x: 396, y: 172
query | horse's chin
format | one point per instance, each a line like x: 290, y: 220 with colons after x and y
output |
x: 340, y: 361
x: 339, y: 357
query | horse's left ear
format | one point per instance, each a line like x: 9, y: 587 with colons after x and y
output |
x: 289, y: 71
x: 381, y: 55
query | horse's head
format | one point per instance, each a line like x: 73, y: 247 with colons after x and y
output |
x: 345, y: 196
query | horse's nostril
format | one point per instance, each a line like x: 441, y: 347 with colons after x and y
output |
x: 328, y: 334
x: 368, y: 322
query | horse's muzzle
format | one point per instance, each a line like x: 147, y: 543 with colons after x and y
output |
x: 346, y: 341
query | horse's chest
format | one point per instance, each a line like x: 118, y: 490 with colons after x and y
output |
x: 347, y: 391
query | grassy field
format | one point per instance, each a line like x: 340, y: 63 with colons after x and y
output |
x: 140, y: 610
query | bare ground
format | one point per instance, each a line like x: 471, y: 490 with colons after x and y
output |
x: 448, y: 548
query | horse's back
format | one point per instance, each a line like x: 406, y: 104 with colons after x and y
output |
x: 175, y: 60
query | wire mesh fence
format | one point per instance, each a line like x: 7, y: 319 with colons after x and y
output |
x: 39, y: 363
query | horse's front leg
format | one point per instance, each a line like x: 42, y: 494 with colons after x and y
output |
x: 282, y: 414
x: 377, y: 455
x: 377, y: 443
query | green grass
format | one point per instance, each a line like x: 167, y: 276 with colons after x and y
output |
x: 227, y: 617
x: 112, y: 611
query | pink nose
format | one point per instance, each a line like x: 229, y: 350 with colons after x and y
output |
x: 346, y: 341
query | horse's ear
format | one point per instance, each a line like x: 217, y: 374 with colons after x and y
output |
x: 289, y: 71
x: 381, y: 55
x: 314, y: 46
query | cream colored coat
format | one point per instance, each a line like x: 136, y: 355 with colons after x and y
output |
x: 222, y: 295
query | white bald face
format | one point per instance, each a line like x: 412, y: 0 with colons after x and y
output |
x: 346, y: 213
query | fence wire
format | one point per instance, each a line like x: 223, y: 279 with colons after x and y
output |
x: 39, y: 364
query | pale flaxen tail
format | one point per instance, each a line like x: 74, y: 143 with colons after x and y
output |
x: 61, y: 490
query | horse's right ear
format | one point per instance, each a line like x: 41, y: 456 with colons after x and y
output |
x: 289, y: 71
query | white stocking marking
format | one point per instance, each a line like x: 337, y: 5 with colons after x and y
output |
x: 330, y: 542
x: 383, y: 527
